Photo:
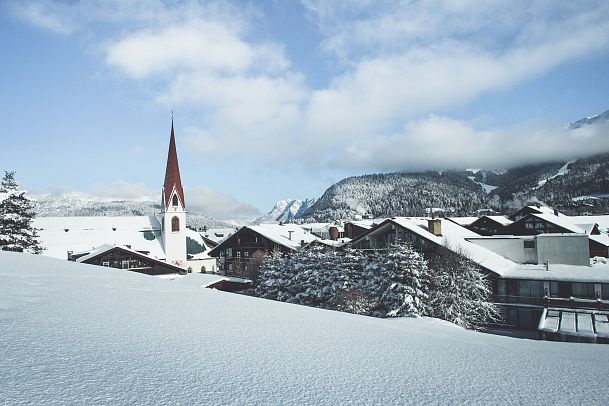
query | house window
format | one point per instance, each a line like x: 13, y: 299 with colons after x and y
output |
x: 246, y: 254
x: 175, y: 224
x: 529, y: 243
x: 238, y: 254
x: 106, y: 263
x: 174, y: 201
x: 530, y: 288
x: 125, y: 264
x: 583, y: 290
x: 560, y: 289
x: 605, y: 291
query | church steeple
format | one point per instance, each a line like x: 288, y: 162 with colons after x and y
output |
x: 172, y: 177
x: 173, y: 214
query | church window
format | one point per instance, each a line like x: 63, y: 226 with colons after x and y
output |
x: 174, y: 201
x: 175, y: 224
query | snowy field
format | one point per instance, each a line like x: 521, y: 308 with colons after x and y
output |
x: 74, y: 333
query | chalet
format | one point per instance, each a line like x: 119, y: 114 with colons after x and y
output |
x: 126, y: 258
x: 163, y: 237
x: 354, y: 229
x: 239, y: 253
x: 537, y: 209
x: 528, y: 273
x: 489, y: 225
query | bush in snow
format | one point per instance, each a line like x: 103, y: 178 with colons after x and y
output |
x: 459, y: 292
x: 16, y: 215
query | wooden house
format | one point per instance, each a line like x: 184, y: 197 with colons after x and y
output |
x: 121, y: 257
x: 240, y: 253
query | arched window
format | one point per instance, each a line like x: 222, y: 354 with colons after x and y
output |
x: 175, y: 224
x: 174, y: 201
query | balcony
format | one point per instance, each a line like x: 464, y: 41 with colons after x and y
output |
x: 570, y: 303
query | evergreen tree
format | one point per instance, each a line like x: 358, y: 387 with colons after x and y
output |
x: 408, y: 292
x: 16, y: 215
x: 460, y: 292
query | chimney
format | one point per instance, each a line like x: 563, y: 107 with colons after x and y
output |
x: 290, y: 234
x: 556, y: 212
x: 333, y: 231
x: 434, y: 226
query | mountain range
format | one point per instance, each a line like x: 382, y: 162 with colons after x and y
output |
x: 286, y: 210
x: 81, y: 204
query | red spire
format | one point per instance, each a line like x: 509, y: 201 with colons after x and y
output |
x: 172, y: 174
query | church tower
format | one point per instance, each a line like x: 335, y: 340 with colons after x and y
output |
x: 173, y: 209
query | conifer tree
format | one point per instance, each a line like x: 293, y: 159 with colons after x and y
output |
x: 16, y: 215
x: 460, y: 292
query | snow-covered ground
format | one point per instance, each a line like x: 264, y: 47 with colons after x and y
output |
x: 74, y: 333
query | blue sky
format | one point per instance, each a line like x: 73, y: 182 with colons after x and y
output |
x: 279, y: 99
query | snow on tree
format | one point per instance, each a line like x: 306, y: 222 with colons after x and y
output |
x: 407, y: 270
x: 383, y: 283
x: 16, y: 215
x: 459, y: 291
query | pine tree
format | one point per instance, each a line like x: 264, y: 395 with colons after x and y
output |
x: 16, y: 215
x: 408, y: 292
x: 460, y: 292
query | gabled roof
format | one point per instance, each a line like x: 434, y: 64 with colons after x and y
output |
x: 463, y: 221
x: 561, y: 221
x: 109, y: 247
x: 456, y: 239
x: 172, y: 174
x: 286, y: 235
x: 453, y: 237
x: 500, y: 219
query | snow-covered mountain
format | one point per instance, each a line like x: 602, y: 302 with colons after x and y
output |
x: 398, y: 194
x: 599, y: 118
x: 81, y: 204
x: 286, y: 210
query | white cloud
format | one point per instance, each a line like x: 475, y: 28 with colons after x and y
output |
x: 43, y: 14
x: 443, y: 143
x: 398, y: 63
x: 200, y: 46
x: 218, y: 205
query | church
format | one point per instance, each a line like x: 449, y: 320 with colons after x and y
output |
x: 155, y: 244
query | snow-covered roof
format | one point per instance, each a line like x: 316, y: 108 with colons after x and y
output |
x: 457, y: 238
x: 107, y: 247
x: 217, y: 234
x: 561, y: 221
x: 601, y: 239
x: 367, y: 224
x: 454, y: 237
x: 288, y: 235
x: 501, y: 220
x: 463, y: 221
x: 332, y: 243
x: 597, y: 273
x: 84, y: 234
x: 545, y: 210
x: 602, y: 221
x: 322, y: 227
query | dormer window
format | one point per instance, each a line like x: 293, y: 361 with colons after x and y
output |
x: 174, y: 201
